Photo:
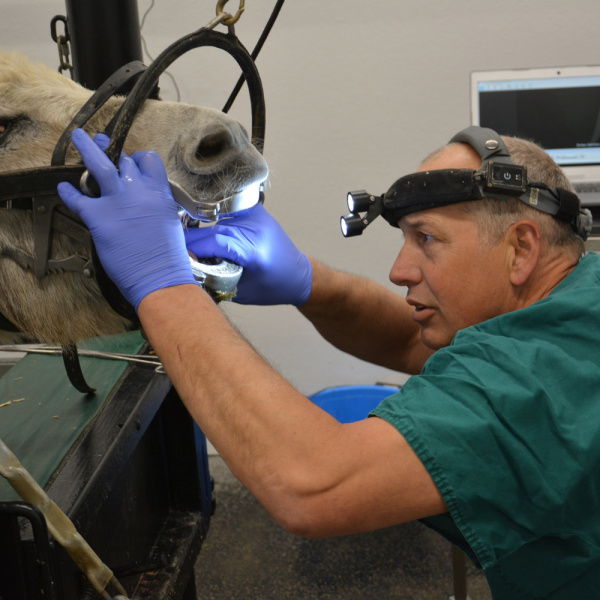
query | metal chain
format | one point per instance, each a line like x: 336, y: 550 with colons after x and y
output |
x: 62, y: 41
x: 63, y: 55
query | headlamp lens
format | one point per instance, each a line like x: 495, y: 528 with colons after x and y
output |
x: 351, y: 225
x: 359, y: 201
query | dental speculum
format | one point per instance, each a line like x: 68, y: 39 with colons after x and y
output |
x: 218, y: 276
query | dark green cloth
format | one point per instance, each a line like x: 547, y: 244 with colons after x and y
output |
x: 507, y: 422
x: 46, y: 413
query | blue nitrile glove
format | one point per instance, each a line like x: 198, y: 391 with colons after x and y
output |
x: 275, y: 271
x: 134, y: 224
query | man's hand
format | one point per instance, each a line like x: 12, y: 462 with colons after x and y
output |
x: 134, y: 224
x: 275, y: 271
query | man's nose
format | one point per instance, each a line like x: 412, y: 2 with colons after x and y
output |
x: 405, y: 271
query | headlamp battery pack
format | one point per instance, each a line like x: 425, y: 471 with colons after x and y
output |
x: 505, y: 177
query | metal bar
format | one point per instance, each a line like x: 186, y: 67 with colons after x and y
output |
x: 59, y: 525
x: 143, y: 359
x: 459, y: 573
x: 104, y: 34
x: 40, y: 541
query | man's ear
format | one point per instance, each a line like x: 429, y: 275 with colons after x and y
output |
x: 524, y: 241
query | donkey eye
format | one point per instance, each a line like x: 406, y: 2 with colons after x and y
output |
x: 6, y: 125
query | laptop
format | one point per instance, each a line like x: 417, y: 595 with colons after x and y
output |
x: 559, y: 108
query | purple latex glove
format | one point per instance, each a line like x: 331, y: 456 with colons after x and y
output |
x: 134, y: 224
x: 275, y: 271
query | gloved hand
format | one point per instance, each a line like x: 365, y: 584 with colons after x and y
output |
x: 275, y: 271
x: 134, y: 224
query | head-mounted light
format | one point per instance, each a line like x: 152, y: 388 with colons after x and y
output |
x: 360, y: 201
x: 497, y: 177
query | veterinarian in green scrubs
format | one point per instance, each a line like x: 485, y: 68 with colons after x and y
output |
x: 495, y: 440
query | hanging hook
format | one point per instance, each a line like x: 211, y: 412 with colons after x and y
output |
x: 230, y: 20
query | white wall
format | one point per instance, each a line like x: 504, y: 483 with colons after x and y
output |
x: 357, y: 93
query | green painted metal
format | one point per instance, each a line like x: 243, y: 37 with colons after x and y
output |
x: 42, y: 414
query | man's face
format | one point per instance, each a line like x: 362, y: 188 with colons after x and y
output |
x: 453, y: 279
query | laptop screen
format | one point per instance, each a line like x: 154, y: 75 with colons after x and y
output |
x: 559, y: 108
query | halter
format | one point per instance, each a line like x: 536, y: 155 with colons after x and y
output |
x: 35, y: 189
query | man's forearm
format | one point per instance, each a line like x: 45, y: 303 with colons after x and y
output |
x: 314, y: 475
x: 247, y: 410
x: 365, y: 319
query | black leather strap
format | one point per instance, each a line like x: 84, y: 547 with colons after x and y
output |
x: 73, y: 368
x: 109, y: 88
x: 40, y: 181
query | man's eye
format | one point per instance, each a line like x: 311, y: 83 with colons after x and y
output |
x: 427, y: 238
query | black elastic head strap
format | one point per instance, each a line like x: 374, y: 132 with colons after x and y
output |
x: 499, y: 176
x: 569, y: 205
x: 431, y: 189
x: 558, y: 202
x: 428, y: 189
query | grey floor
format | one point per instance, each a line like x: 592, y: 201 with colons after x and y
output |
x: 247, y: 556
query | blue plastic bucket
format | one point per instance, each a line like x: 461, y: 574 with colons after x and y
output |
x: 351, y: 403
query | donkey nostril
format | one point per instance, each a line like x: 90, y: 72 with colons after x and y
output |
x: 213, y: 145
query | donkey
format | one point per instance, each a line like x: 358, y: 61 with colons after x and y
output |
x: 204, y: 151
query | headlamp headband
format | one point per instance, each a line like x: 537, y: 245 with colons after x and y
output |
x: 498, y: 177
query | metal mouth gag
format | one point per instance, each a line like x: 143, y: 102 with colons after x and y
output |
x: 204, y: 210
x: 218, y: 275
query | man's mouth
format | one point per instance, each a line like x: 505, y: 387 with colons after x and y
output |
x: 420, y: 311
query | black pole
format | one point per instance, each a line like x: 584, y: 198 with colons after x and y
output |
x: 104, y: 35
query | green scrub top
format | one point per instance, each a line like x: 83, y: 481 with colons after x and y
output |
x: 507, y: 422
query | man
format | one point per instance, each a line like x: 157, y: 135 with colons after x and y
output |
x: 496, y: 441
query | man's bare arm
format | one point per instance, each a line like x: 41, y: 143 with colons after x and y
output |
x: 316, y: 476
x: 365, y: 319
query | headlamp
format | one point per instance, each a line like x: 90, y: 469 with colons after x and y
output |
x: 499, y: 176
x: 360, y: 201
